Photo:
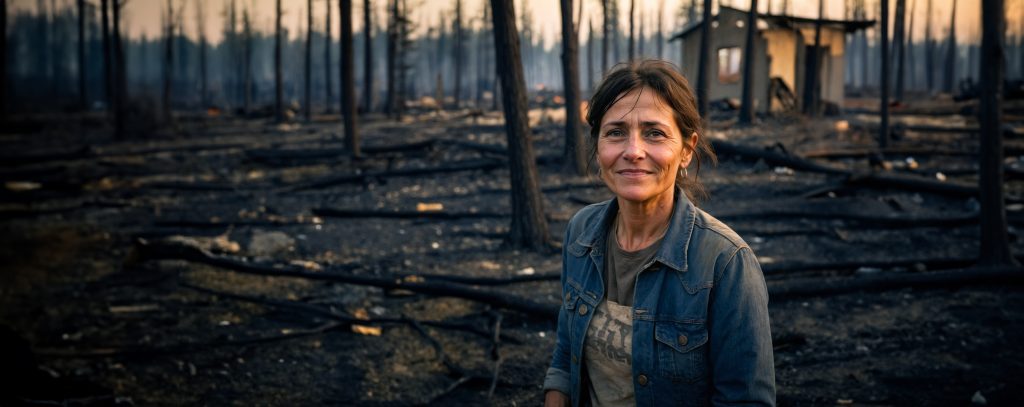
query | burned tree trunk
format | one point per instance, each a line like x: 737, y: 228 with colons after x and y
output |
x: 201, y: 26
x: 590, y: 54
x: 529, y: 227
x: 278, y: 84
x: 632, y: 22
x: 898, y: 47
x: 605, y: 22
x: 392, y: 53
x: 307, y: 109
x: 3, y: 61
x: 995, y: 246
x: 573, y: 153
x: 348, y: 82
x: 108, y: 81
x: 367, y: 56
x: 811, y: 85
x: 747, y: 104
x: 247, y: 62
x: 457, y: 53
x: 661, y: 32
x: 327, y: 59
x: 949, y: 71
x: 929, y: 50
x: 120, y: 83
x: 703, y: 79
x: 883, y: 129
x: 908, y: 48
x: 82, y: 99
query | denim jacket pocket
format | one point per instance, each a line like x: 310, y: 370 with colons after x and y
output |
x: 681, y: 350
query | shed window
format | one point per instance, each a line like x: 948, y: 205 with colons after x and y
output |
x: 729, y: 65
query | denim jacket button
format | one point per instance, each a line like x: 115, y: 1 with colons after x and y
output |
x: 683, y: 340
x: 574, y: 359
x: 568, y: 296
x: 642, y: 379
x: 583, y: 309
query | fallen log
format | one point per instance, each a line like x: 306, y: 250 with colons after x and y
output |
x: 818, y: 286
x: 403, y: 214
x: 333, y: 180
x: 168, y: 250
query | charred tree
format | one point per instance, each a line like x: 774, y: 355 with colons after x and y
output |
x: 747, y: 104
x: 307, y: 109
x: 201, y: 23
x: 995, y: 246
x: 573, y: 153
x: 605, y: 23
x: 108, y: 78
x: 82, y: 97
x: 632, y: 22
x: 865, y: 64
x: 929, y: 50
x: 278, y: 75
x: 367, y: 56
x: 457, y: 53
x: 120, y: 82
x: 590, y: 54
x: 812, y: 73
x: 327, y: 59
x: 529, y: 227
x: 348, y: 81
x: 704, y: 64
x: 168, y: 62
x: 247, y: 61
x: 908, y: 48
x: 3, y: 61
x: 898, y: 46
x: 660, y: 38
x: 883, y: 129
x: 949, y: 69
x: 392, y: 67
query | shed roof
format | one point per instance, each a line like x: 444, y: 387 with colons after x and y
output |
x: 783, y: 20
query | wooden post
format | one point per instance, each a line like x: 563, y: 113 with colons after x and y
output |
x: 529, y: 227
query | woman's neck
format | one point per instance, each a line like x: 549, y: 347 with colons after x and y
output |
x: 642, y: 223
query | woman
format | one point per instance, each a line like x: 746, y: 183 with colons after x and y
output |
x: 662, y: 303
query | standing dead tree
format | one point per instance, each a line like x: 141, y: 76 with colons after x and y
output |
x: 949, y: 71
x: 327, y: 59
x: 367, y: 56
x: 348, y: 81
x: 883, y: 129
x: 120, y: 77
x: 573, y: 153
x: 307, y: 109
x: 632, y: 23
x: 82, y: 98
x: 605, y: 23
x: 898, y: 50
x: 108, y: 80
x: 590, y: 54
x: 995, y: 246
x: 703, y: 79
x: 747, y: 104
x: 247, y: 60
x: 170, y: 23
x: 391, y: 107
x: 811, y: 85
x: 457, y: 51
x: 529, y: 227
x: 201, y: 27
x: 278, y: 75
x: 929, y: 50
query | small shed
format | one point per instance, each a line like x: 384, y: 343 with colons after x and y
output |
x: 781, y: 47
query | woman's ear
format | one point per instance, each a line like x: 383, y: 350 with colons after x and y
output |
x: 688, y: 149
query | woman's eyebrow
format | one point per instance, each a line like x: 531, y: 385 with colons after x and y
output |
x: 649, y: 123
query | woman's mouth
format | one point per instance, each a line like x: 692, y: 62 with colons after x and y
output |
x: 633, y: 173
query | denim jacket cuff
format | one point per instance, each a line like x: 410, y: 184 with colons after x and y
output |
x: 557, y: 379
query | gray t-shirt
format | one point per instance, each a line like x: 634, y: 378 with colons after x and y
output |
x: 622, y: 267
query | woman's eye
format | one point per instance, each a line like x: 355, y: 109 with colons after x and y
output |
x: 614, y: 133
x: 655, y: 134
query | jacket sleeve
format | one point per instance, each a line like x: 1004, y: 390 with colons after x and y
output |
x: 741, y: 359
x: 557, y: 377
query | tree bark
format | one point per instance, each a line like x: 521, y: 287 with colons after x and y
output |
x: 529, y: 228
x: 348, y: 83
x: 392, y: 53
x: 120, y: 91
x: 590, y: 55
x: 278, y: 85
x: 949, y: 72
x: 632, y: 22
x: 995, y: 245
x: 82, y: 97
x: 898, y: 47
x: 929, y: 50
x: 811, y: 86
x: 108, y: 81
x: 327, y: 60
x: 367, y: 56
x: 747, y: 104
x: 203, y: 89
x: 168, y: 71
x: 704, y: 65
x: 883, y: 129
x: 606, y: 21
x: 3, y: 61
x: 307, y: 108
x: 247, y: 61
x: 457, y: 53
x: 573, y: 153
x: 908, y: 47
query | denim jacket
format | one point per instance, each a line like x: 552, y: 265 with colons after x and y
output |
x: 700, y: 313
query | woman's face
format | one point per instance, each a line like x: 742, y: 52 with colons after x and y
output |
x: 640, y: 149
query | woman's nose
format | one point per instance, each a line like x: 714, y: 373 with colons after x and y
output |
x: 634, y: 147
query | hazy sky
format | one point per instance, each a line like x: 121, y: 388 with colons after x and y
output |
x: 143, y: 16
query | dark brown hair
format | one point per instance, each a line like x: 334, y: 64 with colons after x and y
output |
x: 664, y: 79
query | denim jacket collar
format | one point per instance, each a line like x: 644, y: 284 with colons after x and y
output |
x: 680, y: 230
